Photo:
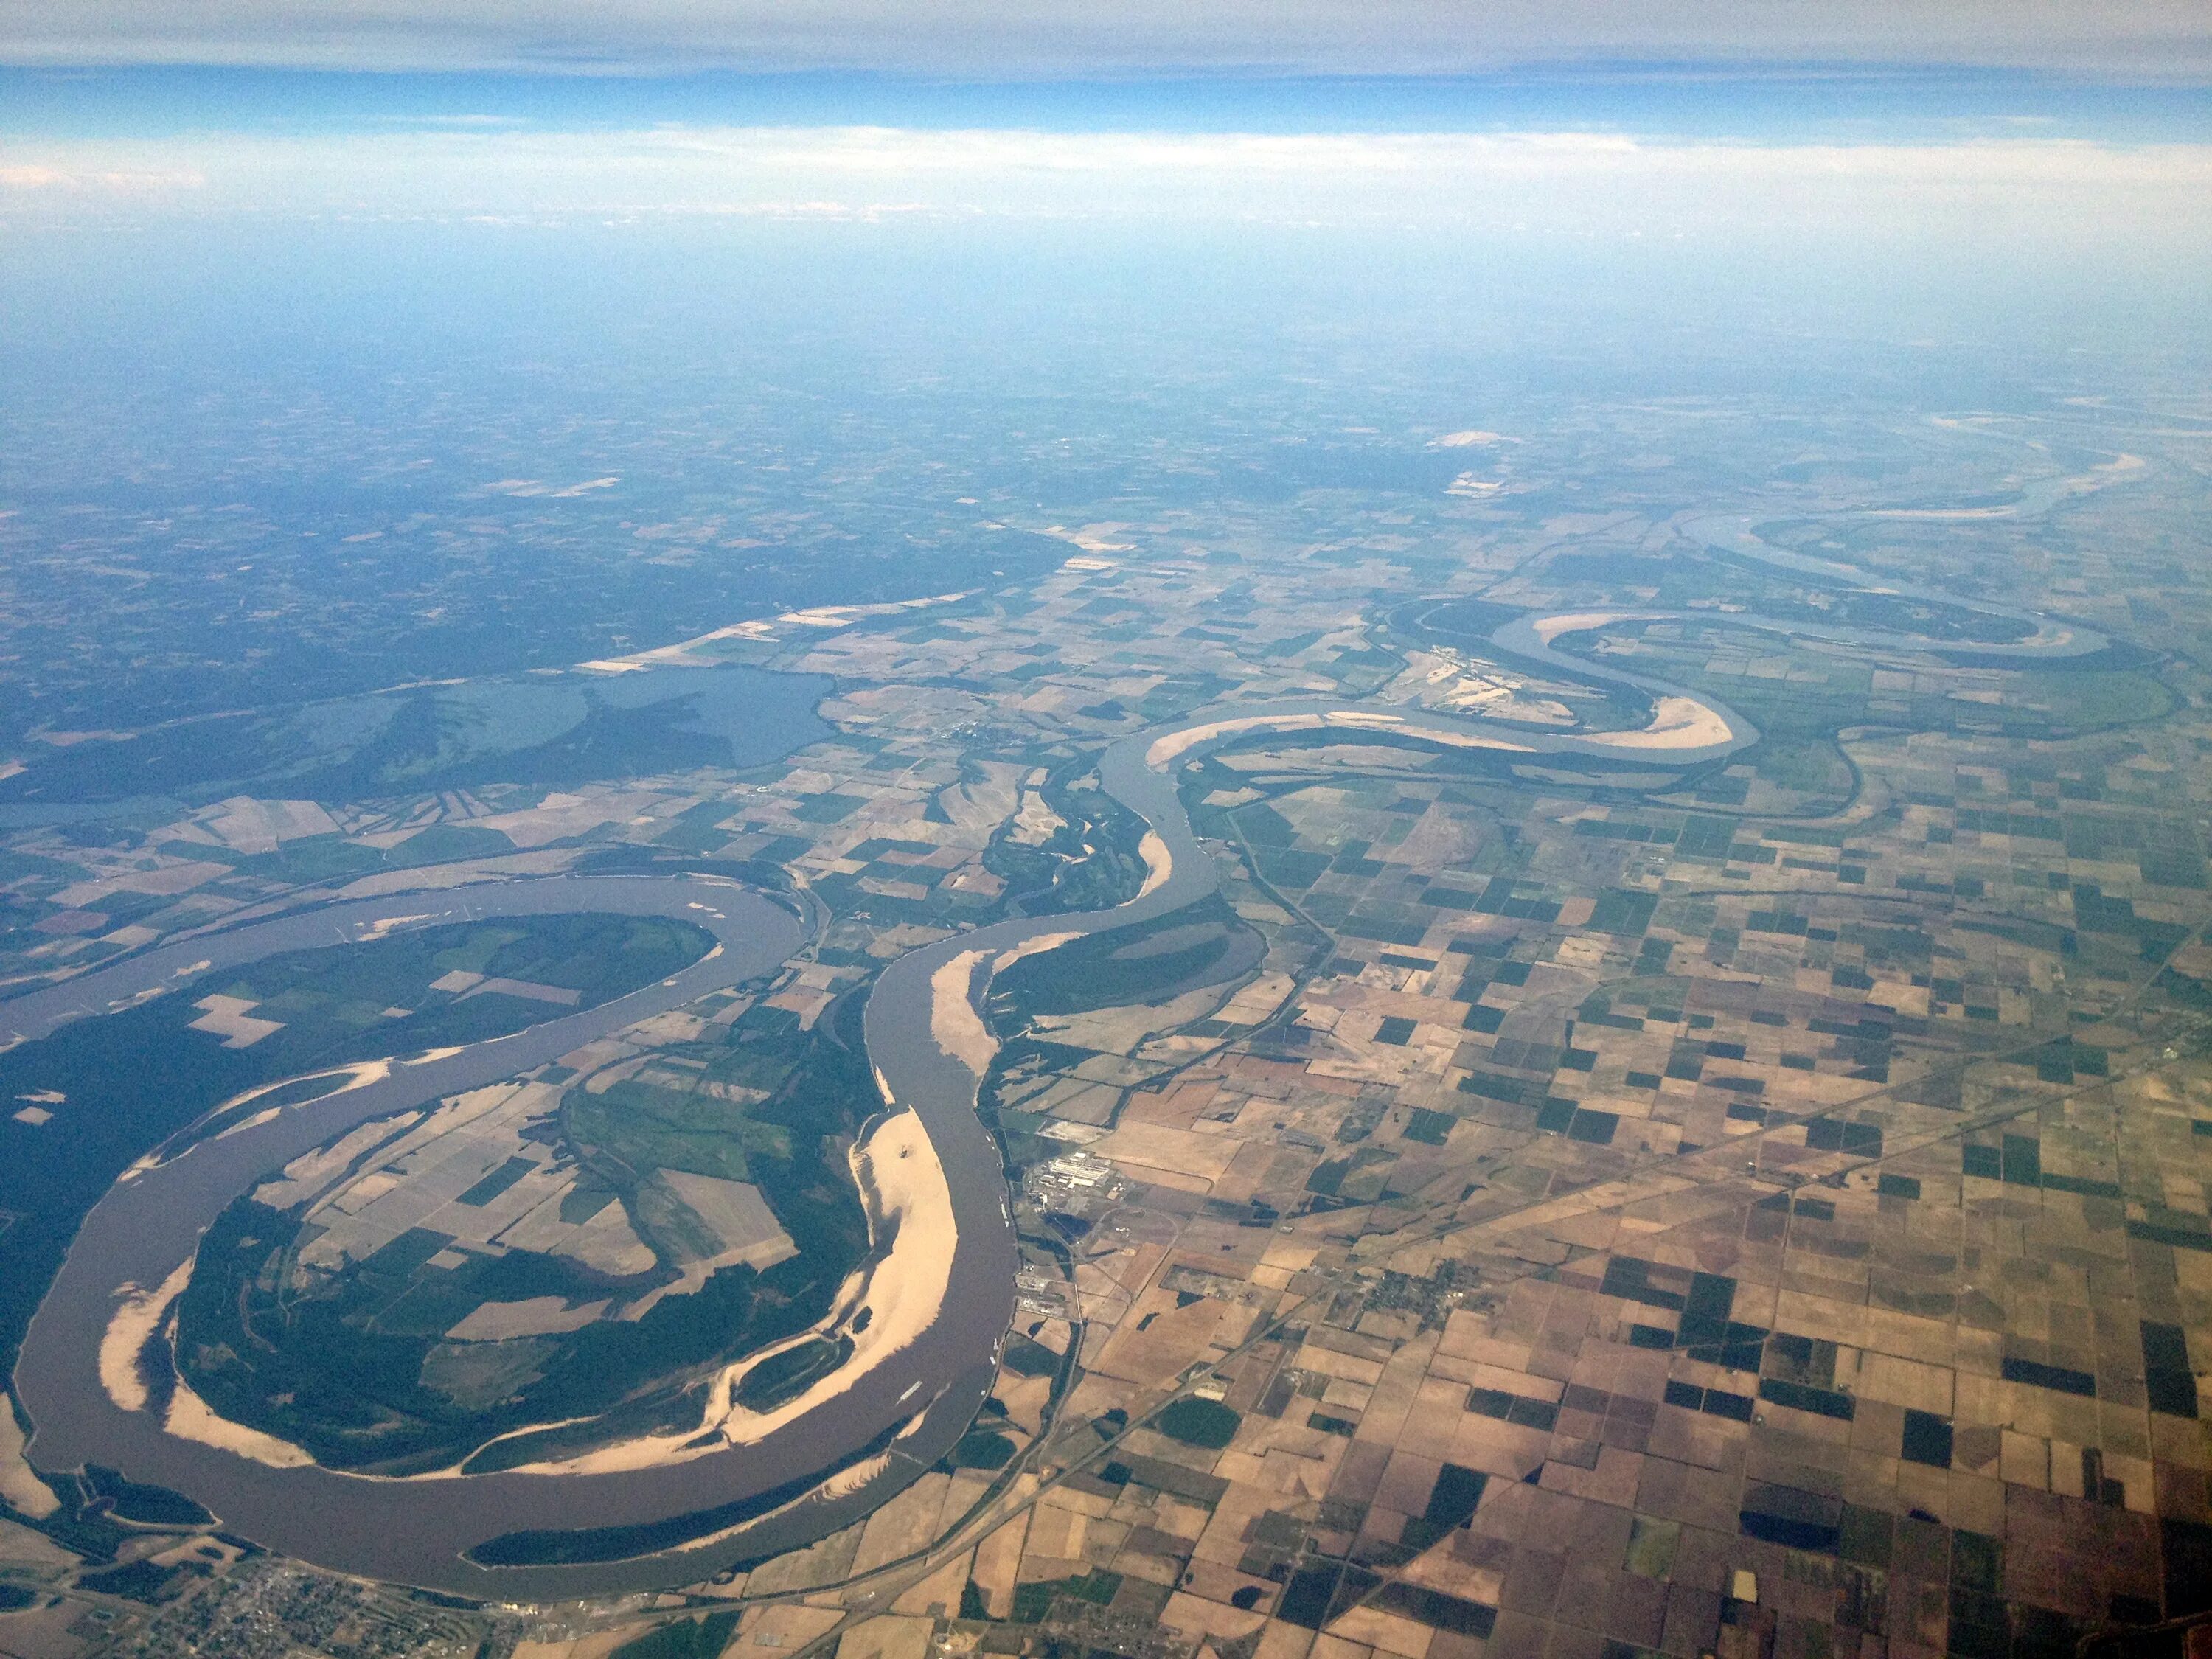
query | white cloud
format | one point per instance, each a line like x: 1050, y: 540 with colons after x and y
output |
x: 1574, y: 183
x: 990, y: 37
x: 72, y: 178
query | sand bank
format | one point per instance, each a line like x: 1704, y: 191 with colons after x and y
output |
x: 1401, y: 726
x: 139, y: 1318
x: 348, y: 1078
x: 1943, y: 512
x: 1548, y: 629
x: 1159, y: 863
x: 191, y: 1418
x: 954, y: 1025
x: 138, y: 1314
x: 20, y: 1486
x: 903, y: 1184
x: 698, y: 650
x: 1676, y: 723
x: 1165, y: 749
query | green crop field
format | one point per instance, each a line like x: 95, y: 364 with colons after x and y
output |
x: 356, y: 1368
x: 337, y: 1005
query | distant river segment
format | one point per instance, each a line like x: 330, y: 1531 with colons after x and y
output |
x: 558, y: 730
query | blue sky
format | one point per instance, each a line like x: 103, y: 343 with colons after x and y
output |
x: 2031, y: 142
x: 987, y: 38
x: 1761, y: 102
x: 118, y: 97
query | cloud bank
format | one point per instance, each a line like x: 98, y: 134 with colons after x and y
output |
x: 1015, y: 38
x: 1545, y: 184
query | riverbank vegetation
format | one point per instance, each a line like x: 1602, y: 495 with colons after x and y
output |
x: 412, y: 1359
x: 226, y: 1033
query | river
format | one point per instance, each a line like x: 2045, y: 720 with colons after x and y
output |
x: 418, y: 1531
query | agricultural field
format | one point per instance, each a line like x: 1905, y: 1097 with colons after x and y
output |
x: 1531, y: 1206
x: 581, y: 1248
x: 98, y: 1094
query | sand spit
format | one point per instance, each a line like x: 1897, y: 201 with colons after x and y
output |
x: 1943, y: 512
x: 436, y: 878
x: 1360, y: 719
x: 20, y: 1486
x: 139, y: 1318
x: 1029, y: 947
x: 954, y: 1025
x: 357, y: 1076
x: 138, y: 1314
x: 903, y: 1184
x: 2082, y: 483
x: 1093, y: 539
x: 845, y: 1482
x: 1165, y: 749
x: 191, y: 1418
x: 1676, y: 723
x: 1548, y: 629
x: 1159, y: 863
x: 698, y: 651
x: 385, y: 926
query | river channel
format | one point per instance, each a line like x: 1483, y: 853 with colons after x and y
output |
x: 420, y: 1531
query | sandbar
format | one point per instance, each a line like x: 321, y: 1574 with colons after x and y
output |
x: 1028, y: 947
x: 138, y: 1314
x: 1400, y: 725
x: 191, y: 1418
x: 1676, y: 723
x: 902, y: 1185
x: 954, y: 1025
x: 358, y: 1075
x: 1159, y: 863
x: 1165, y: 749
x: 137, y: 1320
x: 20, y: 1485
x: 1548, y: 629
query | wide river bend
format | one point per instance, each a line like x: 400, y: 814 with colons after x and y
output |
x: 419, y: 1531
